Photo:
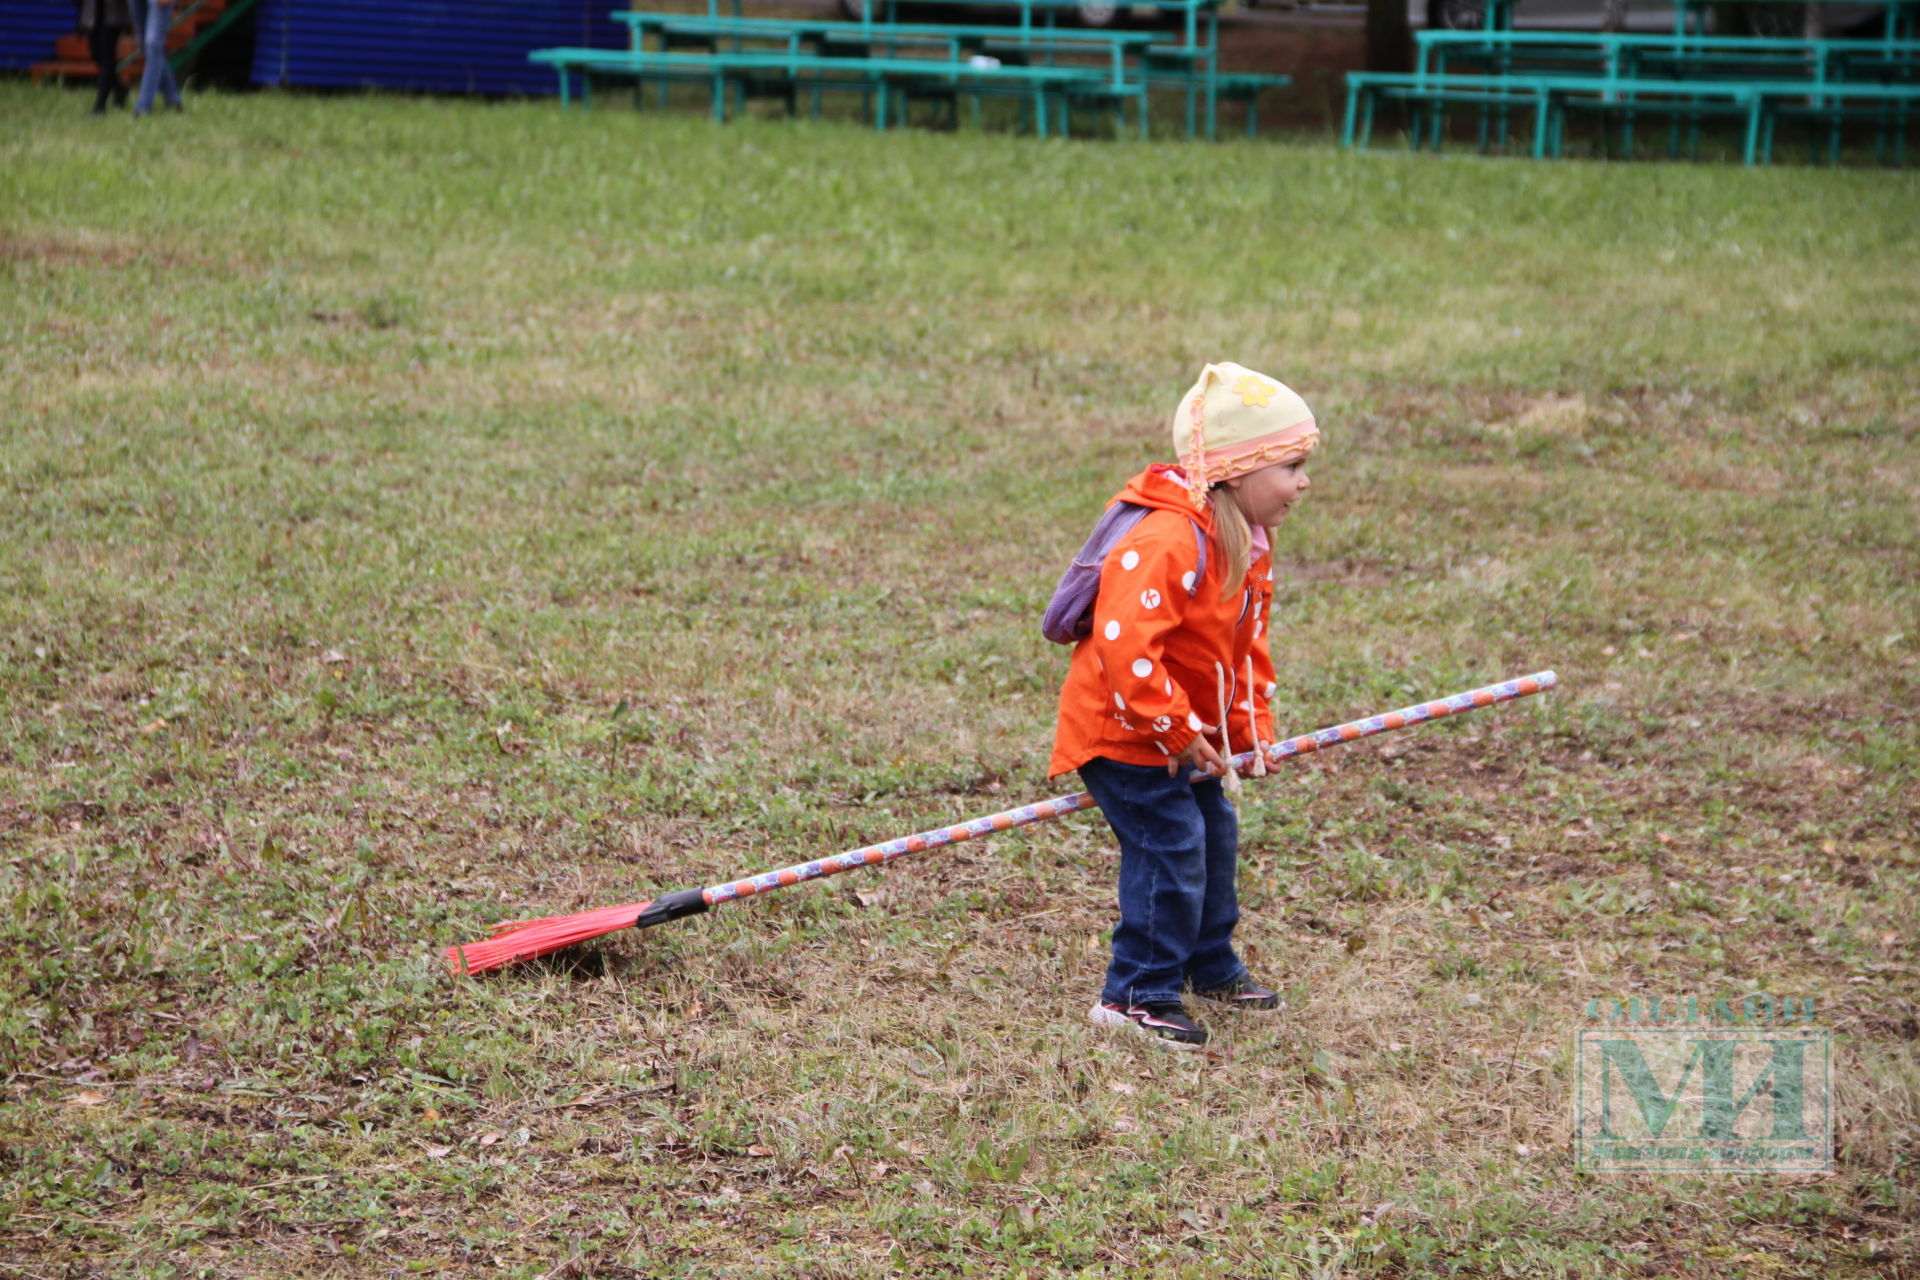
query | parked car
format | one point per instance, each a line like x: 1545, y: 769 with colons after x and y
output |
x: 1763, y: 18
x: 1098, y: 14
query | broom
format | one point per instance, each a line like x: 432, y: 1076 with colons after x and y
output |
x: 518, y: 940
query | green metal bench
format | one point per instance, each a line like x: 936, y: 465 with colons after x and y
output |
x: 959, y: 43
x: 1548, y: 98
x: 722, y: 69
x: 1246, y: 87
x: 1757, y: 105
x: 1816, y: 63
x: 1190, y: 65
x: 1888, y: 106
x: 1184, y: 66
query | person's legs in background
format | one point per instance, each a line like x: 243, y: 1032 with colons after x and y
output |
x: 151, y: 18
x: 104, y: 44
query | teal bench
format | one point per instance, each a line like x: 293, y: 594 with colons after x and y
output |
x: 1814, y: 63
x: 724, y: 69
x: 958, y: 42
x: 1887, y: 106
x: 1756, y: 105
x: 1547, y: 97
x: 1189, y: 65
x: 1138, y: 61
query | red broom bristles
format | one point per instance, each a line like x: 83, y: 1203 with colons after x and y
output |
x: 524, y: 939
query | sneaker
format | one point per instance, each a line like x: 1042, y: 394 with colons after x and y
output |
x: 1165, y: 1020
x: 1244, y: 994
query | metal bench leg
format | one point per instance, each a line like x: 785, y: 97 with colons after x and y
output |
x: 1253, y: 116
x: 1346, y: 127
x: 880, y: 113
x: 1366, y: 125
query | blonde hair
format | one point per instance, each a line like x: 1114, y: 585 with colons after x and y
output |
x: 1234, y: 532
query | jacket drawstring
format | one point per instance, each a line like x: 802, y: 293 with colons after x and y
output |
x: 1253, y: 727
x: 1226, y: 733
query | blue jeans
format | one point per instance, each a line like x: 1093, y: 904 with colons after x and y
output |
x: 1179, y: 850
x: 151, y: 18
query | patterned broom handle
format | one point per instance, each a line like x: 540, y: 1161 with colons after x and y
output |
x: 874, y: 855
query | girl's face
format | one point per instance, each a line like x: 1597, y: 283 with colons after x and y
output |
x: 1268, y: 494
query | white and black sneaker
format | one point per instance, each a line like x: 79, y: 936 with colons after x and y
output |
x: 1242, y: 994
x: 1164, y: 1020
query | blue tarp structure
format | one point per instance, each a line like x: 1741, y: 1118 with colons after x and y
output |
x: 474, y: 46
x: 28, y: 29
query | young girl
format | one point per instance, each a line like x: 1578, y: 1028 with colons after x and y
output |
x: 1174, y: 676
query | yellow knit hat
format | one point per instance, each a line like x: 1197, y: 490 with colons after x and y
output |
x: 1234, y: 420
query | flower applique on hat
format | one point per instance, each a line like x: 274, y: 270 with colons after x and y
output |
x: 1234, y: 420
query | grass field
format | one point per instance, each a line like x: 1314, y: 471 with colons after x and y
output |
x: 422, y: 514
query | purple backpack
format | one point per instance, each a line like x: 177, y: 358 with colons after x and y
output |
x: 1069, y: 616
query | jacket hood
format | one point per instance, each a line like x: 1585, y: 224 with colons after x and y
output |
x: 1163, y: 487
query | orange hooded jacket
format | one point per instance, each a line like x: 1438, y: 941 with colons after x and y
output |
x: 1151, y: 675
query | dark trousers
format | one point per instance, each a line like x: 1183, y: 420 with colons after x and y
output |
x: 1179, y: 851
x: 104, y: 43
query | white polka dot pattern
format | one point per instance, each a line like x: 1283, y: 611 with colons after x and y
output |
x: 1149, y: 599
x: 1186, y: 580
x: 1131, y: 560
x: 1113, y: 631
x: 1119, y: 702
x: 1195, y: 723
x: 1142, y: 668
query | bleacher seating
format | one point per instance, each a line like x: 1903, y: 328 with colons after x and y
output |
x: 1687, y: 79
x: 1052, y: 69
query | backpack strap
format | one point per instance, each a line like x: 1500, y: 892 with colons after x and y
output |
x: 1069, y: 614
x: 1200, y: 543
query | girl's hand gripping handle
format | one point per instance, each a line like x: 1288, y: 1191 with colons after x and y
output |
x: 1198, y: 755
